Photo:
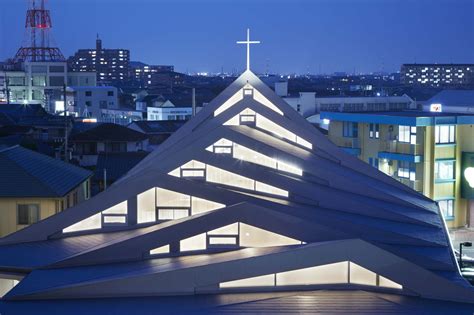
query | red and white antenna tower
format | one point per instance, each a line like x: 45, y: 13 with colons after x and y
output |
x: 38, y: 26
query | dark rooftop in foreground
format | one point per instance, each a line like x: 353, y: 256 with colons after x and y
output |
x: 26, y: 173
x: 159, y: 126
x: 109, y: 132
x: 302, y: 302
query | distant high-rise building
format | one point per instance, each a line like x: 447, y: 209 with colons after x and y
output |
x: 111, y: 65
x: 145, y: 75
x: 437, y: 75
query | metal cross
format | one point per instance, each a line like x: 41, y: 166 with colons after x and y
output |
x: 248, y: 42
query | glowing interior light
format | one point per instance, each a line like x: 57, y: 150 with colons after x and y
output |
x: 245, y: 154
x: 237, y: 97
x: 160, y: 250
x: 263, y: 123
x: 264, y: 101
x: 335, y: 273
x: 92, y: 222
x: 469, y: 176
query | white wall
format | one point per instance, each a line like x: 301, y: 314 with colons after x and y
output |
x: 168, y: 113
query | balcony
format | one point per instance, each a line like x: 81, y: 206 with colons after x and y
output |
x: 350, y: 145
x: 394, y: 146
x: 416, y: 185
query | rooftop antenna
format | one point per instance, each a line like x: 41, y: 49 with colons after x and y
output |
x: 38, y: 26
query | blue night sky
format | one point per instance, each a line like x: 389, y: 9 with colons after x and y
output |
x: 297, y: 35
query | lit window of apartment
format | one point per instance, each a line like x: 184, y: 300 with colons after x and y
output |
x: 447, y: 207
x: 406, y: 169
x: 444, y: 170
x: 445, y: 134
x: 407, y: 134
x: 350, y: 129
x: 28, y: 214
x: 374, y: 131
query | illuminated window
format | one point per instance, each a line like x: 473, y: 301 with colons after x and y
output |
x: 261, y: 281
x: 193, y: 243
x: 447, y: 207
x: 251, y: 236
x: 172, y: 214
x: 374, y: 131
x: 146, y: 206
x: 336, y: 273
x: 193, y: 169
x: 115, y: 215
x: 407, y: 134
x: 263, y: 100
x: 243, y: 153
x: 406, y: 169
x: 262, y: 187
x: 360, y: 275
x: 231, y: 229
x: 220, y: 176
x: 199, y: 205
x: 268, y: 125
x: 247, y: 90
x: 6, y: 285
x: 237, y: 97
x: 168, y: 198
x: 326, y: 274
x: 444, y: 170
x: 92, y: 222
x: 445, y: 134
x: 384, y: 282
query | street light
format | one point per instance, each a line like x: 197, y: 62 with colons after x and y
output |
x: 466, y: 244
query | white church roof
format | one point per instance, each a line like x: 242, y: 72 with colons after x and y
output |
x: 245, y: 196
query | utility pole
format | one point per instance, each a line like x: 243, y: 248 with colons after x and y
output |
x: 105, y: 178
x: 194, y: 102
x: 7, y: 89
x: 66, y: 125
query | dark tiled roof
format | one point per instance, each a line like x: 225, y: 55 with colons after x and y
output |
x: 6, y: 120
x: 17, y: 111
x: 109, y: 132
x: 464, y: 98
x: 26, y: 173
x: 159, y: 126
x: 117, y: 164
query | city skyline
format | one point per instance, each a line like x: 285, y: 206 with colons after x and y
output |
x: 305, y: 37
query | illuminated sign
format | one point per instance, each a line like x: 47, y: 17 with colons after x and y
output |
x: 467, y: 174
x: 437, y: 108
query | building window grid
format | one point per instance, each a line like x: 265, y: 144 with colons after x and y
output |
x: 406, y: 169
x: 350, y: 129
x: 28, y: 214
x: 444, y: 170
x: 446, y: 207
x: 407, y: 134
x: 374, y: 131
x: 445, y: 134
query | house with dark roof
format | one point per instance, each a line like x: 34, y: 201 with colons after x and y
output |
x: 108, y: 138
x: 34, y: 186
x: 112, y: 166
x: 452, y: 101
x: 157, y: 130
